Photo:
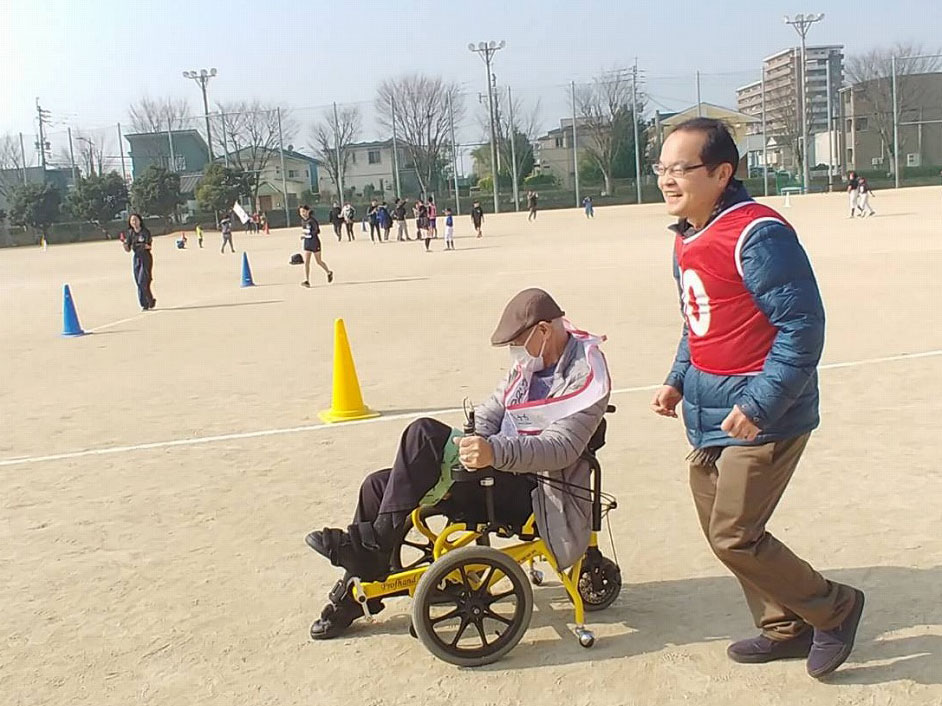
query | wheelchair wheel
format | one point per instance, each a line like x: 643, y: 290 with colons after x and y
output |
x: 472, y: 606
x: 599, y: 582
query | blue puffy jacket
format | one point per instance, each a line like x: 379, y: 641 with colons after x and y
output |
x: 782, y: 400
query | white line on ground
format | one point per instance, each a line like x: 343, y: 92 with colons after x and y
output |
x: 108, y: 450
x: 120, y: 321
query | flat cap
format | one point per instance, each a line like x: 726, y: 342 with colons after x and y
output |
x: 526, y: 309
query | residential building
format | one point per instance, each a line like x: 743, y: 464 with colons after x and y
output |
x: 866, y: 134
x: 188, y: 149
x: 782, y: 96
x: 300, y: 175
x: 60, y: 177
x: 371, y: 168
x: 740, y: 125
x: 553, y: 152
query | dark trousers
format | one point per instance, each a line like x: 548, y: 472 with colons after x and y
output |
x: 143, y: 273
x: 337, y: 230
x: 349, y: 225
x: 417, y: 469
x: 374, y: 228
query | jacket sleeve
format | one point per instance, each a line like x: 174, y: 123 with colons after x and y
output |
x: 556, y: 448
x: 675, y: 378
x: 489, y: 415
x: 778, y: 274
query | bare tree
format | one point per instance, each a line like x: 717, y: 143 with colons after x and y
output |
x: 159, y: 115
x: 329, y: 137
x: 423, y: 121
x: 11, y: 165
x: 525, y: 127
x: 872, y: 72
x: 250, y: 130
x: 603, y: 110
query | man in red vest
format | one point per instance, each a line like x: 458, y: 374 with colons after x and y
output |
x: 746, y: 370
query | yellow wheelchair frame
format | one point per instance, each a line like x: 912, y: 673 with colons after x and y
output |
x: 460, y: 555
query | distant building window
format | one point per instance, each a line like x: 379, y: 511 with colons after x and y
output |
x: 353, y: 157
x: 850, y: 124
x: 559, y: 142
x: 862, y: 125
x: 373, y: 157
x: 292, y: 173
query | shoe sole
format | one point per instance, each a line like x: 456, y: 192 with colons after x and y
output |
x: 842, y: 656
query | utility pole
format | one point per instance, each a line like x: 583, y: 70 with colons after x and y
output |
x: 513, y: 148
x: 454, y: 158
x: 336, y: 148
x: 699, y: 101
x: 486, y: 51
x: 392, y: 103
x: 895, y: 126
x: 173, y: 158
x: 72, y: 158
x: 802, y: 23
x: 634, y: 119
x: 23, y: 158
x: 41, y: 145
x: 765, y: 141
x: 202, y: 77
x: 575, y: 149
x: 830, y: 122
x: 284, y: 181
x: 124, y: 168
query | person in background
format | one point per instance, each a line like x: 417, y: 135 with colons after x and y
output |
x: 225, y: 226
x: 432, y: 215
x: 199, y: 234
x: 863, y: 198
x: 532, y: 199
x: 399, y: 215
x: 373, y: 216
x: 140, y: 242
x: 310, y: 237
x: 422, y: 224
x: 384, y: 219
x: 477, y: 218
x: 587, y: 205
x: 853, y: 183
x: 336, y: 219
x: 349, y: 214
x: 449, y: 230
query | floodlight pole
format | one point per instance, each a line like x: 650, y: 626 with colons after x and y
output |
x: 802, y: 23
x: 202, y: 78
x: 486, y: 51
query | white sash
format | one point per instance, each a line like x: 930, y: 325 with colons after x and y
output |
x: 531, y: 418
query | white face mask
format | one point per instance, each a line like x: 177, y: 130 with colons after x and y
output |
x: 522, y: 357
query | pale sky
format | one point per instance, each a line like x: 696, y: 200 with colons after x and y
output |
x: 87, y: 61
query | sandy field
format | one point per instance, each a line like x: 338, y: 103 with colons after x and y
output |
x: 159, y: 475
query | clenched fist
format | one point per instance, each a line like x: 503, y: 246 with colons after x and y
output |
x: 666, y: 400
x: 474, y: 452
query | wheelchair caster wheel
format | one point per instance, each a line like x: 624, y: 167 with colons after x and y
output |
x: 599, y: 582
x: 536, y: 576
x: 586, y: 638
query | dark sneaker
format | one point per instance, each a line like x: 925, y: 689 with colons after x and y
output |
x: 330, y: 277
x: 335, y: 619
x: 831, y: 648
x: 761, y: 649
x: 305, y: 283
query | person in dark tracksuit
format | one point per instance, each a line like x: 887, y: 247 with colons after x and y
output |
x: 373, y: 215
x: 477, y: 218
x: 336, y: 220
x: 310, y: 237
x: 139, y: 241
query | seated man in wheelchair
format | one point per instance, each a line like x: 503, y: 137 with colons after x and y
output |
x: 537, y: 423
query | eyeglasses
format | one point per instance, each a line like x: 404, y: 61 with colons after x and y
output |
x: 675, y: 170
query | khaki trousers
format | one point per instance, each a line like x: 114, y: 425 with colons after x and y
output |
x: 735, y: 497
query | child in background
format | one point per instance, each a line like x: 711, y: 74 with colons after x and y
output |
x: 863, y: 198
x: 199, y: 234
x: 477, y: 218
x: 449, y: 230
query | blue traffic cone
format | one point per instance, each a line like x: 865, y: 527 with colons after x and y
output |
x: 70, y: 322
x: 246, y: 271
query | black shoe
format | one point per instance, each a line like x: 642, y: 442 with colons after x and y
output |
x: 831, y: 648
x: 761, y: 649
x: 305, y: 283
x: 337, y: 617
x: 330, y: 277
x: 356, y: 550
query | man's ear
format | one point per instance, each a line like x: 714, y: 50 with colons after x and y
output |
x: 727, y: 171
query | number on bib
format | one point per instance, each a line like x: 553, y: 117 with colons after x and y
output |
x: 696, y: 303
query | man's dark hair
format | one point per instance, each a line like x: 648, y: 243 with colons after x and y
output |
x: 719, y: 147
x: 305, y: 207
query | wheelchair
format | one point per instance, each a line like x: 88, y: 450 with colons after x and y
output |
x: 472, y: 602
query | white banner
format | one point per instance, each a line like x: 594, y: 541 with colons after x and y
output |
x: 240, y: 212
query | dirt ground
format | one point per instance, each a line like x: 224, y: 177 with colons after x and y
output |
x: 143, y: 562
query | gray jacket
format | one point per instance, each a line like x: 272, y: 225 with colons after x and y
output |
x: 565, y: 521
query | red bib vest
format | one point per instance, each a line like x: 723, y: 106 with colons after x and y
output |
x: 726, y: 331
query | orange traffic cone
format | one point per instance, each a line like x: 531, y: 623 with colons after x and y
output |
x: 346, y: 402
